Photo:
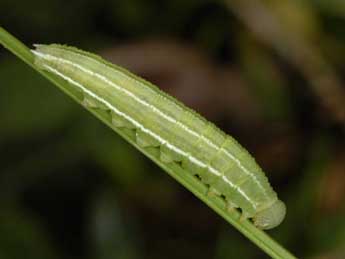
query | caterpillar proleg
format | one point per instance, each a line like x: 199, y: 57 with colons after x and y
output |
x: 160, y: 121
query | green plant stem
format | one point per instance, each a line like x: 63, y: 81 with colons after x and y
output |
x: 258, y: 237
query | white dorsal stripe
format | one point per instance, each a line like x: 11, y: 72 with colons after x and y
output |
x: 158, y: 138
x: 153, y: 108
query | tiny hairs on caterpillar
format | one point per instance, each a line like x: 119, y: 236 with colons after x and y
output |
x: 181, y: 135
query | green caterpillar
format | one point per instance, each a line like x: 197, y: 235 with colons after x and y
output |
x: 159, y: 120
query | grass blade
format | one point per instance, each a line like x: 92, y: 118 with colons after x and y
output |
x: 258, y: 237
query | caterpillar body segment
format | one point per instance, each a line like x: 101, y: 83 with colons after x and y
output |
x: 181, y: 135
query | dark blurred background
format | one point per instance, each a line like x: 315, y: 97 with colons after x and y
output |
x: 268, y: 72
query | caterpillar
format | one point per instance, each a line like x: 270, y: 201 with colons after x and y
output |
x: 181, y: 135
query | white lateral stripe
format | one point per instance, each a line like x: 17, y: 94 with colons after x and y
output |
x: 167, y: 117
x: 155, y: 109
x: 231, y: 156
x: 158, y: 138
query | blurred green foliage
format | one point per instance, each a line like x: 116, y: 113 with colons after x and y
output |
x: 70, y: 188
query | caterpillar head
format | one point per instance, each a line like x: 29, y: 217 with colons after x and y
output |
x: 271, y: 216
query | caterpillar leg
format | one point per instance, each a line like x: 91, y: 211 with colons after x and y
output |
x: 89, y: 102
x: 244, y: 217
x: 120, y: 122
x: 167, y: 155
x: 212, y: 192
x: 145, y: 140
x: 231, y: 207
